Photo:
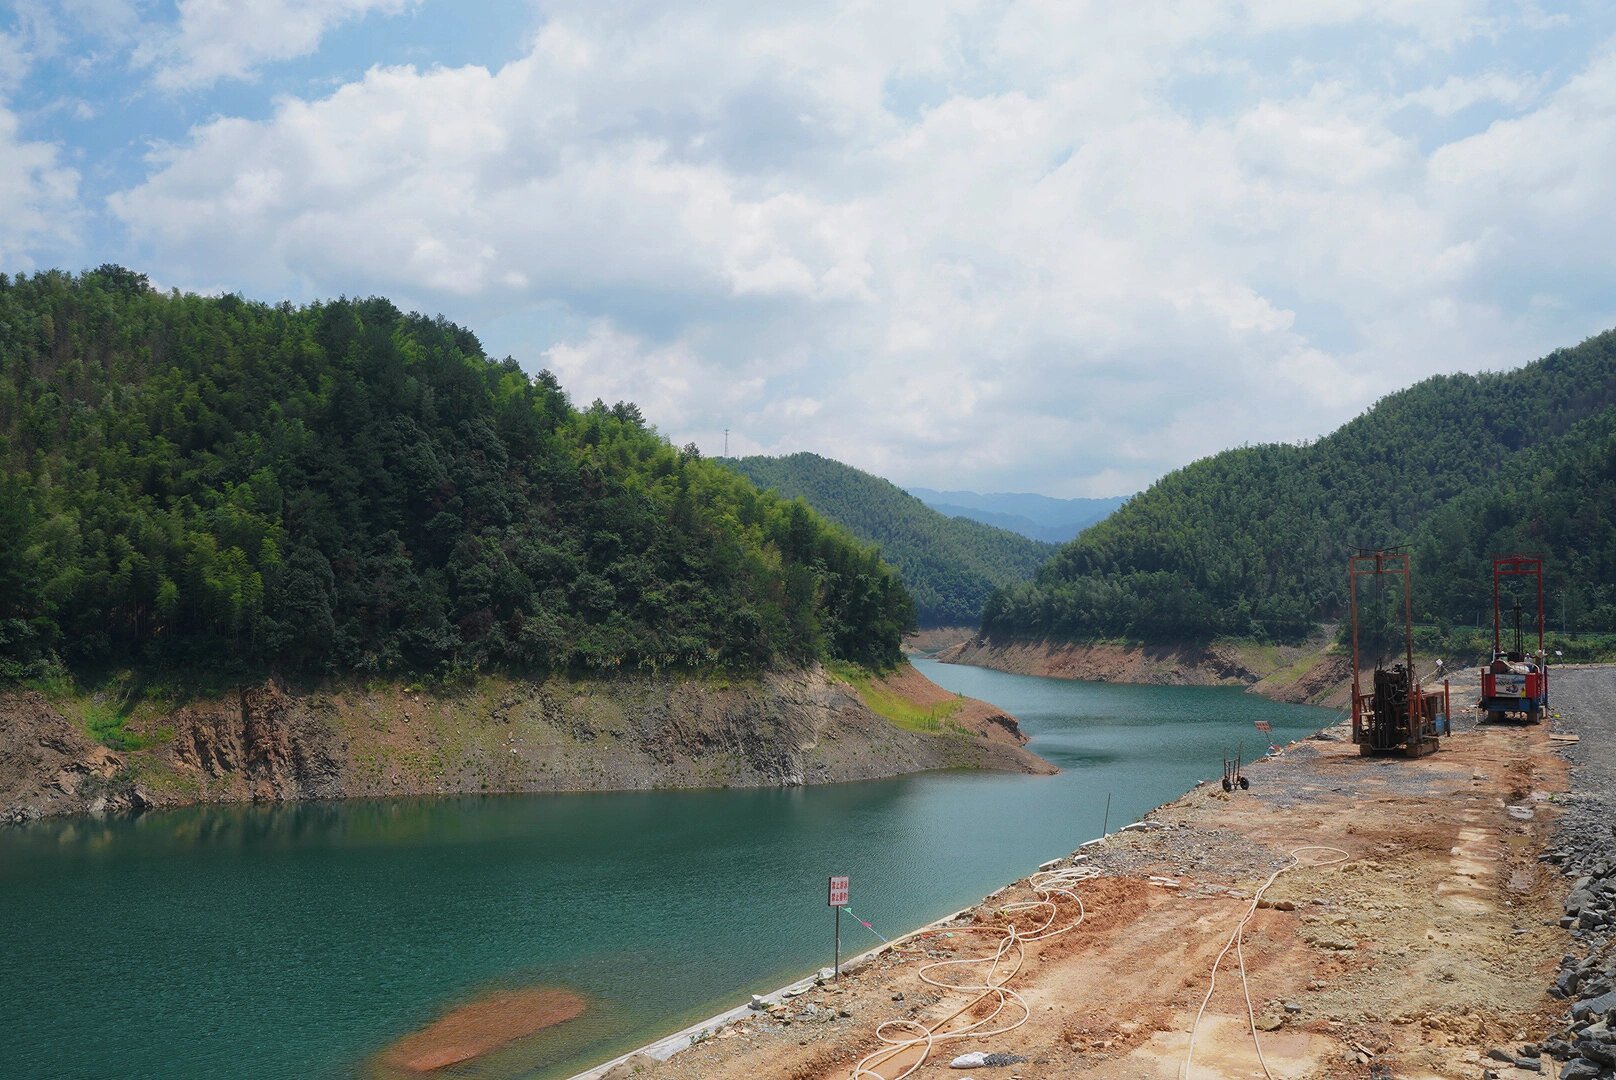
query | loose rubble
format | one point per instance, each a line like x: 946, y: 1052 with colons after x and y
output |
x: 1586, y: 852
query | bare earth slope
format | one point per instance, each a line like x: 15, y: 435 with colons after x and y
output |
x: 1164, y: 665
x: 1312, y: 673
x: 272, y: 742
x: 1426, y: 948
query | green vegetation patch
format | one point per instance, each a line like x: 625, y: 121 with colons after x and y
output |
x: 109, y: 703
x: 108, y: 726
x: 896, y: 708
x: 1291, y: 673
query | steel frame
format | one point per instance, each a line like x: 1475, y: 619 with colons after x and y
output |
x: 1522, y: 566
x: 1378, y: 564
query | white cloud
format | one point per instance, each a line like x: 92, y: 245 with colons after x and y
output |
x: 1432, y: 23
x: 1459, y: 92
x: 231, y: 39
x: 15, y: 59
x: 32, y: 35
x: 671, y: 384
x: 38, y: 192
x: 1552, y: 165
x: 42, y: 32
x: 963, y: 244
x: 112, y: 21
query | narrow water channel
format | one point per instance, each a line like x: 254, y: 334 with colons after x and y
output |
x: 299, y: 941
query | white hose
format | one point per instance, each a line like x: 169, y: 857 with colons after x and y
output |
x: 1236, y: 941
x: 1049, y: 885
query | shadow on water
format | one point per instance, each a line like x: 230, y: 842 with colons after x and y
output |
x: 301, y: 940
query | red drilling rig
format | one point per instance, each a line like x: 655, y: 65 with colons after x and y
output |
x: 1516, y: 682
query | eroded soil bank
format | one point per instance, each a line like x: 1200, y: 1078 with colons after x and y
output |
x: 277, y: 742
x: 1302, y: 674
x: 1313, y: 673
x: 1425, y: 946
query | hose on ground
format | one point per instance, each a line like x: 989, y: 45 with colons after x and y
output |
x: 1236, y: 942
x: 904, y: 1035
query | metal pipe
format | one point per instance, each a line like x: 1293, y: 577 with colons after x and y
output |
x: 1415, y: 728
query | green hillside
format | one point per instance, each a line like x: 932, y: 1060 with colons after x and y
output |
x: 1558, y: 499
x: 209, y: 482
x: 951, y: 565
x: 1253, y: 541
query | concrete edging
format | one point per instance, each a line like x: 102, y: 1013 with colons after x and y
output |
x: 667, y: 1046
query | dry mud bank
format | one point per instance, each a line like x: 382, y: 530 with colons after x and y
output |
x: 274, y: 742
x: 933, y: 640
x: 1301, y: 673
x: 1426, y: 950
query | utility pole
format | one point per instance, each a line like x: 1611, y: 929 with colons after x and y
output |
x: 726, y: 442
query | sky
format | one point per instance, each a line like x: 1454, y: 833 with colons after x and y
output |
x: 1019, y: 245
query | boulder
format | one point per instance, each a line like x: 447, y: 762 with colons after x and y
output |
x: 1594, y: 1007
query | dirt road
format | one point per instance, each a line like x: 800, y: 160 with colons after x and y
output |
x: 1428, y: 944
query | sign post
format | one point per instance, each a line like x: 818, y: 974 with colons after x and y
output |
x: 838, y: 900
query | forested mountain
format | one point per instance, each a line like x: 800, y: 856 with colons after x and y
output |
x: 1254, y: 541
x: 1038, y: 517
x: 1559, y: 500
x: 344, y: 487
x: 951, y: 565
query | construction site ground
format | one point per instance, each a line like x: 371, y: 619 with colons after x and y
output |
x: 1430, y: 944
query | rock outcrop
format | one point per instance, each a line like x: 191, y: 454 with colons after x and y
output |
x: 263, y: 745
x: 49, y: 766
x: 272, y: 742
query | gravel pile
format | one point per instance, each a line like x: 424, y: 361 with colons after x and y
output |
x: 1585, y: 701
x: 1588, y: 980
x: 1163, y: 847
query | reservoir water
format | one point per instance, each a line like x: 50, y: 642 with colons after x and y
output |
x: 298, y: 941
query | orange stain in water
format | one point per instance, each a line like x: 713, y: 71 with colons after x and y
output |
x: 480, y: 1026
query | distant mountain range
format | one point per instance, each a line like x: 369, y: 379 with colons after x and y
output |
x: 951, y: 564
x: 1038, y: 517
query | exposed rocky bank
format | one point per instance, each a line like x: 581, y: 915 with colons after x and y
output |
x: 1303, y: 674
x: 277, y: 742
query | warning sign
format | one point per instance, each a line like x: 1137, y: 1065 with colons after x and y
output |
x: 838, y: 892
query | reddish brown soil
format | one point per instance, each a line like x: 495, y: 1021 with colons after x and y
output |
x: 1163, y: 665
x: 483, y: 1025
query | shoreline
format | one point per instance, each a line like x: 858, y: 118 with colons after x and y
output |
x: 667, y: 1046
x: 1318, y: 945
x: 1304, y: 674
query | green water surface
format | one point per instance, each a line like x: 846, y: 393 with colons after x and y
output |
x: 298, y: 941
